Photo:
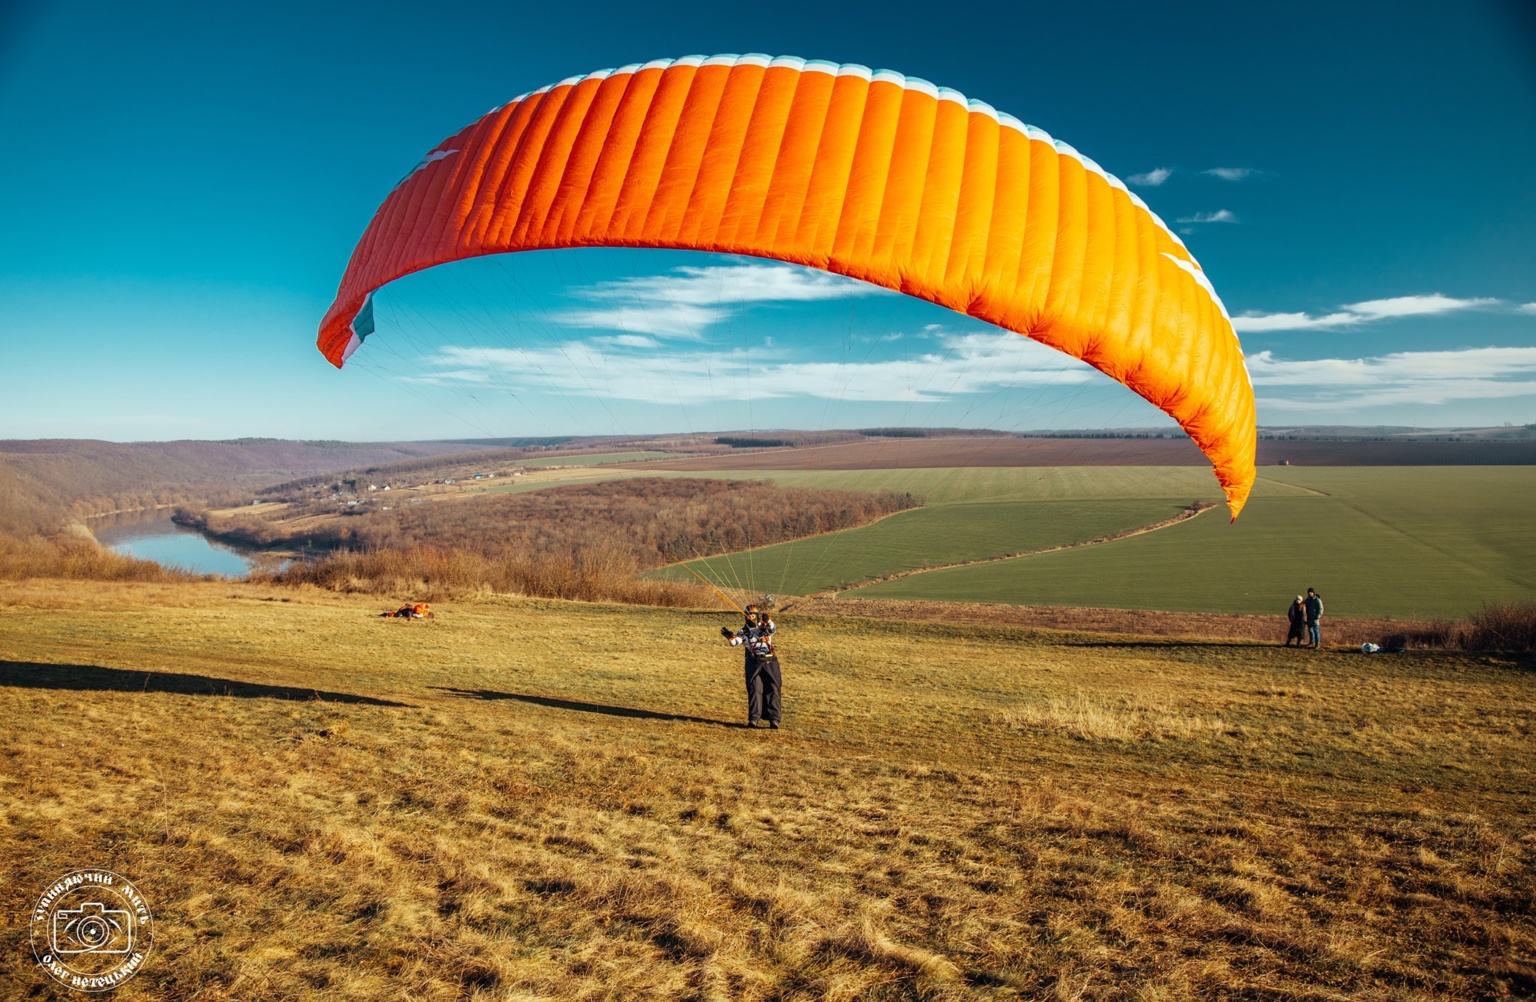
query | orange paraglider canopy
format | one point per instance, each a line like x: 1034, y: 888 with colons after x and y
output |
x: 873, y: 175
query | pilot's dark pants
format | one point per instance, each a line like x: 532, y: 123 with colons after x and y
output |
x: 763, y: 681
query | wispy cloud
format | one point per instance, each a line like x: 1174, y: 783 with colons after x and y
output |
x: 1528, y: 308
x: 1156, y: 177
x: 1414, y: 306
x: 630, y: 341
x: 964, y: 363
x: 1368, y: 311
x: 1409, y: 377
x: 1263, y: 323
x: 1219, y: 216
x: 685, y: 301
x: 647, y: 320
x: 1231, y: 173
x: 1151, y: 179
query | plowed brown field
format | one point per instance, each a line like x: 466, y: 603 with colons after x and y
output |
x: 927, y: 453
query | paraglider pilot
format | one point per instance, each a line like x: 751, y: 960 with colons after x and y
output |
x: 762, y: 666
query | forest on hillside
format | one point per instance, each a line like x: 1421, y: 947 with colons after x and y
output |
x: 658, y: 519
x: 46, y: 484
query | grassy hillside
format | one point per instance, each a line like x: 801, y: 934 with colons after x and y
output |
x: 971, y: 513
x: 526, y: 800
x: 1411, y: 541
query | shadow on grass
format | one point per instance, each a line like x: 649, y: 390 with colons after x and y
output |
x: 573, y: 704
x: 1174, y: 642
x: 92, y: 678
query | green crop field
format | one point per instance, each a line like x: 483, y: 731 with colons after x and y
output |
x: 950, y: 485
x: 1419, y: 541
x: 971, y: 514
x: 1017, y: 483
x: 1398, y: 541
x: 601, y: 458
x: 931, y: 536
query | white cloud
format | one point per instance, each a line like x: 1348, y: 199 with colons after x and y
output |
x: 965, y: 363
x: 631, y: 341
x: 1357, y: 313
x: 1528, y: 308
x: 1408, y: 377
x: 647, y: 319
x: 682, y: 303
x: 1152, y: 178
x: 1263, y: 323
x: 1479, y: 363
x: 1230, y: 173
x: 718, y: 284
x: 1157, y: 176
x: 1414, y: 306
x: 1219, y: 216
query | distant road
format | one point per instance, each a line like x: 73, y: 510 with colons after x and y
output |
x: 921, y: 453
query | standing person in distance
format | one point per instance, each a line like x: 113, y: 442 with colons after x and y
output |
x: 762, y: 666
x: 1297, y: 614
x: 1314, y: 607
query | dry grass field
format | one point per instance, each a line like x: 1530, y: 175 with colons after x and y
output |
x: 543, y: 800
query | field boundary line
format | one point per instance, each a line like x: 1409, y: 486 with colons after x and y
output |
x: 1299, y: 487
x: 1184, y: 516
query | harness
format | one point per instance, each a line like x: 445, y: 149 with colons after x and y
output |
x: 758, y: 640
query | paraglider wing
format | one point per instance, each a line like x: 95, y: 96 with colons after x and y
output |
x: 873, y: 175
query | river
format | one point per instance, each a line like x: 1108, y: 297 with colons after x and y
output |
x: 151, y: 535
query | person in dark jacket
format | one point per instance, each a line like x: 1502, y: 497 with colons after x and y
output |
x: 1314, y: 607
x: 1297, y: 614
x: 763, y: 676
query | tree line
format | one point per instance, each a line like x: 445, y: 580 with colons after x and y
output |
x: 586, y: 541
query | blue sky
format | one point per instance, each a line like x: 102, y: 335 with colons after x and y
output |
x: 187, y: 182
